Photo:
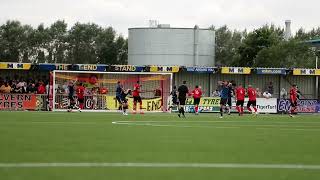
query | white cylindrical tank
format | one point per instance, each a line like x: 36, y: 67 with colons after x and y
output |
x: 171, y: 46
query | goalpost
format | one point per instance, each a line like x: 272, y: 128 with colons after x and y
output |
x: 100, y: 89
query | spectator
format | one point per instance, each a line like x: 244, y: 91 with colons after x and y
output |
x: 20, y: 87
x: 216, y: 93
x: 31, y: 88
x: 41, y: 88
x: 267, y: 95
x: 5, y: 88
x: 157, y: 92
x: 259, y: 93
x: 299, y: 95
x: 270, y: 88
x: 14, y: 87
x: 283, y: 93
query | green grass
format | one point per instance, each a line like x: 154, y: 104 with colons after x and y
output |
x: 35, y: 137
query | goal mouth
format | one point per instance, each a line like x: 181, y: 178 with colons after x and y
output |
x: 100, y: 90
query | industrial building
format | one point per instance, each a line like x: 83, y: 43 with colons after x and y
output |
x: 166, y: 46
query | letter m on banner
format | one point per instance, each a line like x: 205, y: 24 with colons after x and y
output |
x: 15, y: 66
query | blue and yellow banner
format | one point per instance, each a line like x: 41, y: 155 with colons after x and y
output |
x: 306, y: 72
x: 271, y: 71
x: 22, y: 66
x: 201, y: 69
x: 235, y: 70
x: 172, y: 69
x: 125, y: 68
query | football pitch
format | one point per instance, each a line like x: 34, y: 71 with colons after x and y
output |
x: 64, y: 146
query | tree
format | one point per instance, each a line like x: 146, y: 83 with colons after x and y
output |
x: 83, y: 43
x: 256, y: 41
x: 288, y: 54
x: 227, y: 43
x: 57, y: 42
x: 12, y: 41
x: 106, y: 48
x: 122, y: 50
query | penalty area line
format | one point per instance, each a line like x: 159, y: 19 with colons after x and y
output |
x: 162, y: 165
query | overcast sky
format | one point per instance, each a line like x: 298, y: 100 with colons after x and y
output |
x: 123, y: 14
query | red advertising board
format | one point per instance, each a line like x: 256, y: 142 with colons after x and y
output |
x: 18, y: 101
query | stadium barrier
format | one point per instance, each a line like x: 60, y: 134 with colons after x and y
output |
x: 16, y: 102
x: 304, y: 106
x: 271, y: 105
x: 39, y: 102
x: 107, y: 102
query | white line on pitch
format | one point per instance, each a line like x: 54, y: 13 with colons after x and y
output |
x: 297, y: 128
x: 162, y: 165
x: 172, y: 125
x: 213, y: 121
x: 236, y: 125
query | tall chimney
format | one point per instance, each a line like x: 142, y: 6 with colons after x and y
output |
x: 287, y: 34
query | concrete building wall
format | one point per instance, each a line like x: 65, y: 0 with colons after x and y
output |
x: 171, y: 46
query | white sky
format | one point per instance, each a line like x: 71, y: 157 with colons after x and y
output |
x: 123, y: 14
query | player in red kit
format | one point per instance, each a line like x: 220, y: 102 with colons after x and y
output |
x: 136, y: 97
x: 240, y: 94
x: 293, y: 99
x: 80, y: 94
x: 197, y: 93
x: 252, y: 93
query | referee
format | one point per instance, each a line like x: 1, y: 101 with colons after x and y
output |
x: 182, y: 96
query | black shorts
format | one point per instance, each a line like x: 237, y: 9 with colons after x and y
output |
x: 294, y: 103
x: 182, y: 100
x: 81, y: 100
x: 229, y: 102
x: 252, y: 103
x: 137, y: 99
x: 196, y: 101
x: 240, y: 103
x: 118, y: 99
x: 123, y: 100
x: 71, y: 98
x: 174, y: 100
x: 223, y: 101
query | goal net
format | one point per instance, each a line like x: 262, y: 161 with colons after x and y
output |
x: 100, y: 89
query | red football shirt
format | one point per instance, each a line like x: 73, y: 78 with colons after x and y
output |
x: 293, y: 94
x: 197, y: 93
x: 240, y: 93
x: 252, y: 94
x: 41, y: 89
x: 80, y: 92
x: 136, y: 90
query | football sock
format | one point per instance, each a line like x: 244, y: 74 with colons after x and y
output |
x: 238, y: 109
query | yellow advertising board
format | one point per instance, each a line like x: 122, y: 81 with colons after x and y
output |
x: 23, y: 66
x: 153, y: 104
x: 235, y: 70
x: 172, y: 69
x: 206, y: 101
x: 306, y: 72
